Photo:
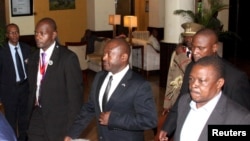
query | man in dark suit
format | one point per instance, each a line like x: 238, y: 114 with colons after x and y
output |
x: 56, y: 87
x: 14, y: 88
x: 206, y: 103
x: 236, y: 87
x: 6, y: 132
x: 130, y: 108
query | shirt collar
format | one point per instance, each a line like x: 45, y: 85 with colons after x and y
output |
x: 49, y: 50
x: 209, y: 106
x: 121, y: 73
x: 12, y: 46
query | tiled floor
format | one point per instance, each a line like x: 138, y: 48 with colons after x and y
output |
x: 153, y: 78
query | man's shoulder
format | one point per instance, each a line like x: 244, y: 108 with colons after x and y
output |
x: 130, y: 75
x: 5, y: 45
x: 232, y: 71
x: 185, y: 98
x: 232, y: 106
x: 23, y: 44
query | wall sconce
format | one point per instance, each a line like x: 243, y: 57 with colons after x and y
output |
x: 130, y: 22
x: 114, y: 20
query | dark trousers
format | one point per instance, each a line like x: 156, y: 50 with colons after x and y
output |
x: 36, y: 131
x: 15, y: 108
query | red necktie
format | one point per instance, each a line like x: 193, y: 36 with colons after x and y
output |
x: 42, y: 67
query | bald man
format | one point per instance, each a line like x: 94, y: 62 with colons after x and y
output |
x: 130, y: 107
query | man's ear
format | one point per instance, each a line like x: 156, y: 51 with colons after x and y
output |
x: 215, y: 47
x: 124, y: 57
x: 54, y: 35
x: 220, y: 83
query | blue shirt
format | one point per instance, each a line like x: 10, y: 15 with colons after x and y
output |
x: 6, y: 132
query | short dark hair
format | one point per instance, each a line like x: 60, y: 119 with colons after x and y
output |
x: 124, y: 45
x: 12, y: 24
x: 214, y: 61
x: 50, y: 21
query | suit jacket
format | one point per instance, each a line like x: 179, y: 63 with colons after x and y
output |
x: 236, y: 87
x: 226, y: 112
x: 132, y: 109
x: 61, y: 90
x: 6, y: 132
x: 7, y: 69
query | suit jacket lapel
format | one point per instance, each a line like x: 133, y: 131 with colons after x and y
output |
x: 215, y: 117
x: 120, y: 89
x: 9, y: 56
x: 53, y: 61
x: 98, y: 87
x: 186, y: 110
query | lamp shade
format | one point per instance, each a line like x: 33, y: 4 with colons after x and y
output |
x: 130, y: 21
x: 114, y: 19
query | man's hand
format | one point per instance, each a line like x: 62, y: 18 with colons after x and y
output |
x: 67, y: 138
x: 163, y: 136
x: 165, y: 111
x: 180, y: 49
x: 104, y: 118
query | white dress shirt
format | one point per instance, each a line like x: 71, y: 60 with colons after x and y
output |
x: 13, y: 51
x: 47, y: 62
x: 116, y: 80
x: 196, y: 119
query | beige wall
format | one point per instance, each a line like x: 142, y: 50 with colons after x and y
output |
x: 156, y: 13
x: 25, y: 23
x: 142, y: 15
x: 71, y: 23
x: 98, y: 12
x: 223, y: 16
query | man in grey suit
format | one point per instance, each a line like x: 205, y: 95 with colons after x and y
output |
x: 56, y: 87
x: 206, y: 104
x: 130, y: 108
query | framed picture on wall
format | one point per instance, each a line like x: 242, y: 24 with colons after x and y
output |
x: 61, y: 4
x: 21, y: 7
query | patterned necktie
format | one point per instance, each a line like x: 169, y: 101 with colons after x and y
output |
x: 19, y: 65
x: 105, y: 95
x: 42, y: 66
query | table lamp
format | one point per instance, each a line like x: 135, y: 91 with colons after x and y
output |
x: 114, y: 20
x: 130, y: 22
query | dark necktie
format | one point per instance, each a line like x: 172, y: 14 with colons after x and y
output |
x: 19, y: 65
x: 105, y: 95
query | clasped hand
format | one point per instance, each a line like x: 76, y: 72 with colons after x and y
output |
x: 104, y: 118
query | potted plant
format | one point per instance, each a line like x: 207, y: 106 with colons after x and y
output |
x: 207, y: 16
